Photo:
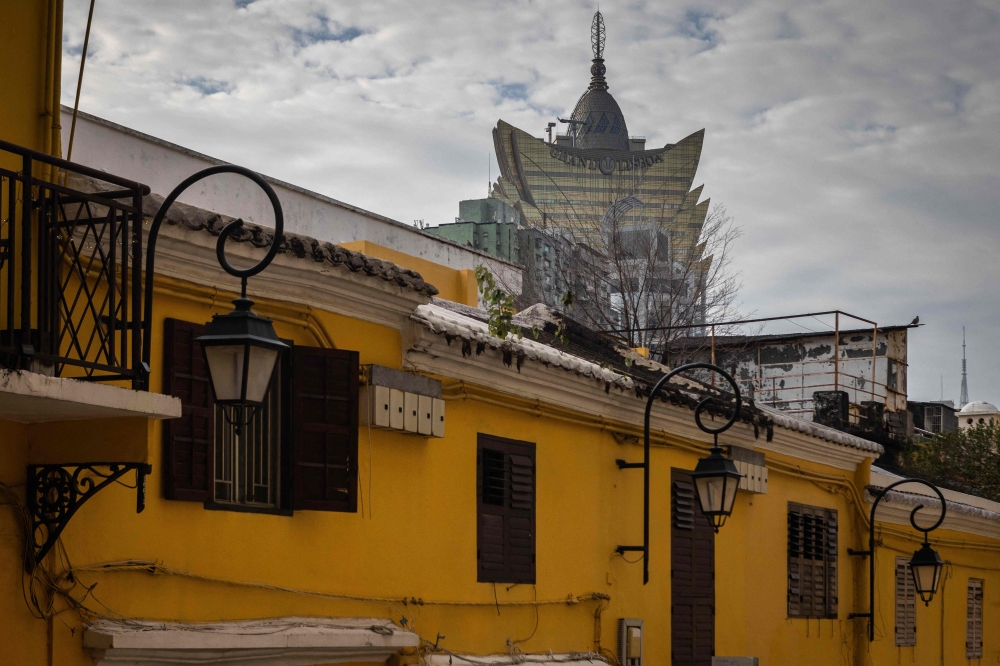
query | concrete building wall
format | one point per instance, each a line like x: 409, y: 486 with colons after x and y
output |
x: 162, y: 165
x: 785, y: 371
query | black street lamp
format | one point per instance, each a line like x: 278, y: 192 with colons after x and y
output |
x: 716, y: 479
x: 241, y: 347
x: 925, y: 565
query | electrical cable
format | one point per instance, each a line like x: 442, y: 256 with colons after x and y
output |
x: 79, y: 85
x: 370, y: 465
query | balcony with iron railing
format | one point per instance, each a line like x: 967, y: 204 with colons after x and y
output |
x: 71, y: 293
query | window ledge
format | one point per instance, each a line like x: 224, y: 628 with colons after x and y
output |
x: 565, y: 658
x: 285, y: 641
x: 243, y: 508
x: 29, y: 397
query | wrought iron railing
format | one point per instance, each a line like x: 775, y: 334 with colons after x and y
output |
x: 70, y: 269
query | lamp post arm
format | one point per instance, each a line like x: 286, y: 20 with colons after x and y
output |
x: 871, y: 539
x: 702, y: 406
x: 154, y: 233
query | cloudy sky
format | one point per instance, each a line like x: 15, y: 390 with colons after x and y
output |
x: 855, y: 142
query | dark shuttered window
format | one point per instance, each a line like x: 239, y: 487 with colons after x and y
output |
x: 188, y: 440
x: 692, y: 576
x: 505, y: 490
x: 325, y: 429
x: 812, y: 561
x: 305, y: 437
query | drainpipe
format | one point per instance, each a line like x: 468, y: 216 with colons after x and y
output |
x: 51, y: 135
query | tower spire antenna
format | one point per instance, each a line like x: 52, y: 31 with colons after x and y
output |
x: 597, y: 34
x: 597, y: 69
x: 964, y: 399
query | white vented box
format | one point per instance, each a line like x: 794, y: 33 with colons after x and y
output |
x: 629, y: 641
x: 396, y: 400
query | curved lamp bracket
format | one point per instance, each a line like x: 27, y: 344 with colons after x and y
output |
x: 220, y: 246
x: 870, y: 553
x: 698, y: 411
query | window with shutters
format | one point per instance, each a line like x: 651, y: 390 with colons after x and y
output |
x: 298, y: 450
x: 974, y: 620
x: 692, y: 576
x: 906, y: 604
x: 325, y: 429
x: 812, y: 561
x: 505, y: 499
x: 248, y: 457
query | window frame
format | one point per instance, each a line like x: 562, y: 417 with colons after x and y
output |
x: 193, y: 436
x: 797, y: 561
x: 283, y: 504
x: 509, y: 448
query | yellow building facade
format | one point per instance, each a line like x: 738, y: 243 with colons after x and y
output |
x: 392, y: 561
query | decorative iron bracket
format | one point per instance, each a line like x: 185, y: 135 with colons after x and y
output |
x: 55, y: 492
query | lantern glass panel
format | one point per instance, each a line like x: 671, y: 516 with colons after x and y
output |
x: 925, y: 578
x: 729, y: 496
x: 225, y: 364
x: 262, y: 361
x: 711, y: 493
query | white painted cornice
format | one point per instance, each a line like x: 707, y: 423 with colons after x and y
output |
x: 285, y: 641
x: 430, y: 353
x: 189, y: 255
x: 966, y: 513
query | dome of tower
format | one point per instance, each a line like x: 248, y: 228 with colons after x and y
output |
x: 605, y: 127
x: 599, y: 124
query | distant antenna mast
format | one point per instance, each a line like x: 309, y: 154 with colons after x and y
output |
x: 964, y: 400
x: 489, y: 173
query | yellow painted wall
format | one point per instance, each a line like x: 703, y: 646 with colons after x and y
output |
x: 416, y: 537
x: 458, y: 285
x: 30, y: 68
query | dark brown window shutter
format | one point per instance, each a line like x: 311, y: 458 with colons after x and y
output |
x: 188, y: 441
x: 325, y: 429
x: 505, y: 491
x: 692, y: 576
x: 812, y: 561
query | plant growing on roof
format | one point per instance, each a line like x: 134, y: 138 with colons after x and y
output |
x: 498, y: 304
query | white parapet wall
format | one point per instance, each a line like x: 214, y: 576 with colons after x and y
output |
x: 113, y: 148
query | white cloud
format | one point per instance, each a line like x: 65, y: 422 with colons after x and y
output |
x: 855, y: 142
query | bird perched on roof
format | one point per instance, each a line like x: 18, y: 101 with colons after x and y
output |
x: 916, y: 320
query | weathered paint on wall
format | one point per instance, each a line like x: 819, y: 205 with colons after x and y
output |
x: 785, y: 372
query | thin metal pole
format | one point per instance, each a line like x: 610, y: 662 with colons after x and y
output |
x: 138, y: 377
x: 874, y: 359
x: 836, y: 352
x: 713, y: 355
x: 26, y: 208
